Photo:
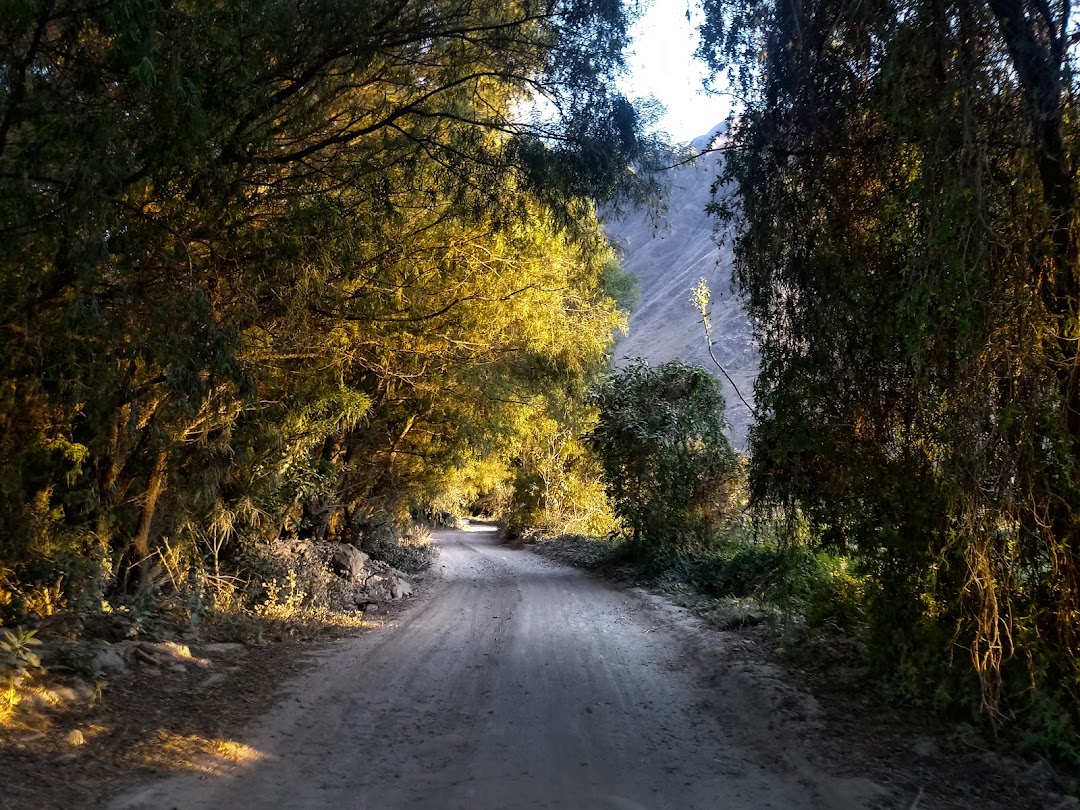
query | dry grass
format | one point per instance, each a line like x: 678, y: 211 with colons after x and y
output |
x: 169, y: 751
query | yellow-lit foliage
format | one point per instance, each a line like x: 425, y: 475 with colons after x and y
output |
x: 283, y: 270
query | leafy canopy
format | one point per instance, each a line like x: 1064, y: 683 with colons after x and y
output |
x: 906, y: 234
x: 272, y: 267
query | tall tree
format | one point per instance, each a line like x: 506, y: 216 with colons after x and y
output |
x: 247, y: 243
x: 906, y: 221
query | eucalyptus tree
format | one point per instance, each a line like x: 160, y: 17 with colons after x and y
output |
x: 906, y: 235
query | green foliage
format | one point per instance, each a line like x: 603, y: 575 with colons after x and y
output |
x: 266, y: 270
x: 1051, y: 730
x: 906, y: 211
x: 79, y: 657
x: 556, y: 481
x: 822, y: 588
x: 668, y: 467
x: 621, y: 286
x: 16, y: 656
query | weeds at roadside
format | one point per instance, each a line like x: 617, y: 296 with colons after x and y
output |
x: 17, y: 660
x: 409, y: 550
x: 736, y: 581
x: 273, y: 590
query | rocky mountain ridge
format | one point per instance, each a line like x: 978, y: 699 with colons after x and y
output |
x: 669, y: 253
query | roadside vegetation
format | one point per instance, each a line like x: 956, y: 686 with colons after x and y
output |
x: 906, y: 224
x: 277, y: 278
x: 284, y: 284
x: 693, y: 525
x: 901, y: 191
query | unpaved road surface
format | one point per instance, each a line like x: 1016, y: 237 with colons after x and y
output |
x: 520, y: 683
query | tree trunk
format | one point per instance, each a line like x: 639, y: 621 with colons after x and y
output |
x: 155, y: 486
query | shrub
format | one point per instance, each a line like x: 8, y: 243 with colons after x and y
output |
x: 669, y: 470
x: 820, y: 587
x: 17, y: 658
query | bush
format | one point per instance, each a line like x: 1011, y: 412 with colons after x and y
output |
x: 669, y: 470
x: 17, y: 658
x: 820, y: 587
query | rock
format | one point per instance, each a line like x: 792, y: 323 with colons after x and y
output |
x: 213, y: 680
x: 167, y: 653
x: 111, y: 660
x: 65, y: 759
x: 349, y: 561
x: 75, y: 738
x: 364, y: 600
x: 755, y: 618
x: 110, y: 627
x: 382, y: 584
x: 178, y: 668
x: 77, y: 694
x: 400, y: 588
x: 925, y: 748
x: 1041, y: 774
x: 61, y: 698
x: 173, y: 649
x: 144, y: 657
x: 376, y: 589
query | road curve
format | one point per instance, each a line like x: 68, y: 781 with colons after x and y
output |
x: 516, y: 683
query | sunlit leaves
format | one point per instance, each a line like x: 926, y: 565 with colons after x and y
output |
x: 260, y: 259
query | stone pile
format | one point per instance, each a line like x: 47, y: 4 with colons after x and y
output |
x: 373, y: 581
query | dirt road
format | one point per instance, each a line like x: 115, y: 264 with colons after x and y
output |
x: 520, y: 683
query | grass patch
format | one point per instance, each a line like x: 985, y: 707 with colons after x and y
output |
x: 816, y: 589
x: 736, y: 581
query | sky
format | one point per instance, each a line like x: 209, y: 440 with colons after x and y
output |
x: 662, y: 65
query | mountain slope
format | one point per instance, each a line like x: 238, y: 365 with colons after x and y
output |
x: 669, y: 255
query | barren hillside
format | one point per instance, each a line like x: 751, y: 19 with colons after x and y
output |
x: 668, y: 256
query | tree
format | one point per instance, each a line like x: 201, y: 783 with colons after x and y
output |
x: 255, y: 257
x: 906, y: 226
x: 667, y: 462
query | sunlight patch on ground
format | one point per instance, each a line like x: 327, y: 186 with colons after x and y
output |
x: 479, y: 527
x: 211, y: 756
x: 33, y: 708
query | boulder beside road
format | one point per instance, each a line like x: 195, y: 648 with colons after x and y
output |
x: 373, y: 581
x: 349, y: 561
x: 382, y: 584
